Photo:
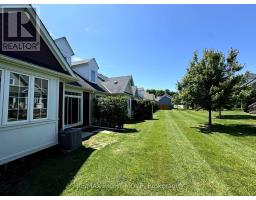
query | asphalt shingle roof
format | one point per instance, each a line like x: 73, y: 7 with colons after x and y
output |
x: 89, y: 85
x: 117, y: 85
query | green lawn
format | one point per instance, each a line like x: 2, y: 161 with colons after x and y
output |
x: 170, y: 155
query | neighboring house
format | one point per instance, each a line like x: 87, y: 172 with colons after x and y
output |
x: 122, y: 85
x: 251, y: 80
x: 141, y: 92
x: 145, y: 95
x: 148, y: 96
x: 164, y: 102
x: 135, y: 92
x: 87, y: 71
x: 32, y: 88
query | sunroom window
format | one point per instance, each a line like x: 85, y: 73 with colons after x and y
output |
x: 40, y: 98
x: 18, y: 97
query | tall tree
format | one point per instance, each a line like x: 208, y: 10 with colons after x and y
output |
x: 211, y: 81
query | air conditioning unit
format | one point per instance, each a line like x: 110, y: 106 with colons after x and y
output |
x: 70, y: 139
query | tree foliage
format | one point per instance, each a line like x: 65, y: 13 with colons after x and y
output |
x: 176, y: 99
x: 210, y: 82
x: 160, y: 92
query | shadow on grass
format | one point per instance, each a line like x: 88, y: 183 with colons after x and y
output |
x: 140, y: 121
x: 232, y: 129
x: 126, y: 130
x: 237, y: 117
x: 45, y: 173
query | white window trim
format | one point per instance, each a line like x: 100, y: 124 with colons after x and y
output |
x: 5, y: 84
x: 81, y: 112
x: 6, y: 99
x: 33, y: 99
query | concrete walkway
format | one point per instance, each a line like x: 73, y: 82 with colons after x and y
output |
x: 86, y: 134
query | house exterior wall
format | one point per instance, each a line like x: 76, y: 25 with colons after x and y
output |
x: 141, y: 93
x: 21, y: 138
x: 44, y: 57
x: 129, y: 89
x: 85, y: 70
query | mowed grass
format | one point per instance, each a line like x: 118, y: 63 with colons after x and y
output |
x: 170, y: 155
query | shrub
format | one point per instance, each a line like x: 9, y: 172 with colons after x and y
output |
x: 110, y: 111
x: 142, y: 109
x: 155, y: 107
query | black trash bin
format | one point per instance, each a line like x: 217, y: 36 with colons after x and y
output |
x: 70, y: 139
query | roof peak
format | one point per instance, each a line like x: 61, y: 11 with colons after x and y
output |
x: 80, y: 62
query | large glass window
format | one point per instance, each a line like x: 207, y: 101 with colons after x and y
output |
x: 18, y: 97
x: 72, y: 108
x: 40, y: 98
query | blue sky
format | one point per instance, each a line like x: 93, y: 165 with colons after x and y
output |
x: 154, y: 43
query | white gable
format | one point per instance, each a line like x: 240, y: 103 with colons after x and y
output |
x: 87, y: 69
x: 65, y: 48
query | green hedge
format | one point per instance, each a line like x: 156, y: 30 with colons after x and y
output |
x: 110, y: 111
x: 142, y: 109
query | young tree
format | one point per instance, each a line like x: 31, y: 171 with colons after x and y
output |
x: 176, y: 99
x: 229, y: 82
x: 211, y: 81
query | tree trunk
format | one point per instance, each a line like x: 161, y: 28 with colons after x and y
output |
x: 210, y: 119
x: 220, y: 113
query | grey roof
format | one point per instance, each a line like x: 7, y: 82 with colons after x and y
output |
x: 102, y: 77
x: 82, y: 83
x: 89, y: 85
x: 160, y: 97
x: 117, y: 85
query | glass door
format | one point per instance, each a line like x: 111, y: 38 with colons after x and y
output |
x: 72, y: 109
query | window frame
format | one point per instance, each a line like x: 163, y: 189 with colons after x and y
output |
x: 13, y: 84
x: 81, y: 108
x: 6, y: 100
x: 93, y: 71
x: 33, y: 99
